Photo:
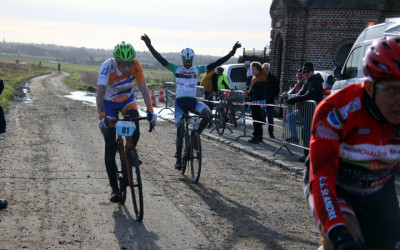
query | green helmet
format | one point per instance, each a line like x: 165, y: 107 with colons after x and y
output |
x: 124, y: 52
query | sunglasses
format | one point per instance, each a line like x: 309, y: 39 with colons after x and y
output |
x: 187, y: 60
x: 125, y: 64
x: 389, y: 88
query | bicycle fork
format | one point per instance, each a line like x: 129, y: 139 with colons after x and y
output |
x: 125, y: 170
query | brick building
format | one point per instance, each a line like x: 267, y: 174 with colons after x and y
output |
x: 320, y: 31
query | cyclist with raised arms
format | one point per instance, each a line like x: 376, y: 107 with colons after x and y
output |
x: 115, y: 94
x: 186, y: 82
x: 354, y: 153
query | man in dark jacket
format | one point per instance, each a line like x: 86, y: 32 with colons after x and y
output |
x: 3, y: 203
x: 311, y: 90
x: 2, y: 119
x: 272, y: 92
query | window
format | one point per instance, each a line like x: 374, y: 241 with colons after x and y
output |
x: 351, y: 67
x: 238, y: 74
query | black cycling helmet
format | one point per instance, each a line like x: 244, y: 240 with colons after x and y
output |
x: 220, y: 69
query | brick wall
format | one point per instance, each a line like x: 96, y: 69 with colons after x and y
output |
x: 314, y: 35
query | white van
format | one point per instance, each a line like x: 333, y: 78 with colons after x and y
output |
x: 352, y: 69
x: 236, y: 74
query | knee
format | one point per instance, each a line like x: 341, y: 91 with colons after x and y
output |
x: 206, y: 111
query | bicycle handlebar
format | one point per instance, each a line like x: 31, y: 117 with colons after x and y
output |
x: 132, y: 119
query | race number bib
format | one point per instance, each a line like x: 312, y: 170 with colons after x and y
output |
x: 125, y: 128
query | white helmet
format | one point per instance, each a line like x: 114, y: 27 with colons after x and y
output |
x: 187, y: 54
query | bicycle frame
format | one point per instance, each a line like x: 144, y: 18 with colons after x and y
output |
x: 130, y: 163
x: 192, y: 150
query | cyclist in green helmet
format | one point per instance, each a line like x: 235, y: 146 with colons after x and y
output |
x: 115, y: 94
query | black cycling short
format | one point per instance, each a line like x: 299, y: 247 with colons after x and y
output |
x: 378, y: 215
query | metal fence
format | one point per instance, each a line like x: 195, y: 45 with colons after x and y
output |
x: 296, y: 122
x: 170, y: 94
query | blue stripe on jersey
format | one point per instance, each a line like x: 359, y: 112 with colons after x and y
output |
x: 127, y: 80
x: 127, y: 91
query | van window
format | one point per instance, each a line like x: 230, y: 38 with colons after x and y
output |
x: 351, y: 67
x: 238, y: 74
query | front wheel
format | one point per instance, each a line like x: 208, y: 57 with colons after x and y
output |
x: 186, y: 153
x: 136, y: 185
x: 195, y: 156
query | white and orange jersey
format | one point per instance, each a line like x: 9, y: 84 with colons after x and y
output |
x: 119, y: 86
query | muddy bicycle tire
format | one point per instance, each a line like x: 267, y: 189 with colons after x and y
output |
x: 136, y: 184
x: 195, y: 156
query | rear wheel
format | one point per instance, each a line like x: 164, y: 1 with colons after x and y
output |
x: 122, y: 179
x: 220, y: 120
x: 136, y: 185
x: 122, y: 187
x: 195, y: 156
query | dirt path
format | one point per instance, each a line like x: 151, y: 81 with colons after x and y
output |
x: 53, y: 175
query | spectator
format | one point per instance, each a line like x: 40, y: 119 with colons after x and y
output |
x: 272, y: 92
x: 311, y: 90
x: 3, y: 203
x: 249, y: 75
x: 40, y: 64
x: 2, y: 118
x: 294, y: 115
x: 59, y: 67
x: 210, y: 82
x: 223, y: 82
x: 256, y: 94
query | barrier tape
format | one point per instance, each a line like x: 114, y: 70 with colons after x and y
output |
x: 265, y: 123
x: 242, y: 104
x: 238, y: 103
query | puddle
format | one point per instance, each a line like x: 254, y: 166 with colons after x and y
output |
x: 85, y: 97
x: 27, y: 98
x: 90, y: 99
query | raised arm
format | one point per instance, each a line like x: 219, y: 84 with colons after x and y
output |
x: 154, y: 52
x: 225, y: 58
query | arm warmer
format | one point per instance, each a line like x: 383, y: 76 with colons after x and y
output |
x: 157, y: 55
x: 218, y: 62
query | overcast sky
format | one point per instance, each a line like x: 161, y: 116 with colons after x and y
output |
x: 209, y: 27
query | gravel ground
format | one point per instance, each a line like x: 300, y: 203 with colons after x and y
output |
x: 53, y: 175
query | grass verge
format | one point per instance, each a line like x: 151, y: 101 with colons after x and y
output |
x: 12, y: 73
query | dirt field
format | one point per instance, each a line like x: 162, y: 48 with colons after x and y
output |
x: 53, y: 175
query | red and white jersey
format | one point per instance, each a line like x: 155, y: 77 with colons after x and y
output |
x: 348, y: 148
x: 119, y: 86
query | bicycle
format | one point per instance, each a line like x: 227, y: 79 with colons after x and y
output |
x: 192, y: 146
x: 129, y: 161
x: 225, y: 113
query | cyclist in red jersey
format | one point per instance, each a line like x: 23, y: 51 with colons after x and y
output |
x: 354, y: 153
